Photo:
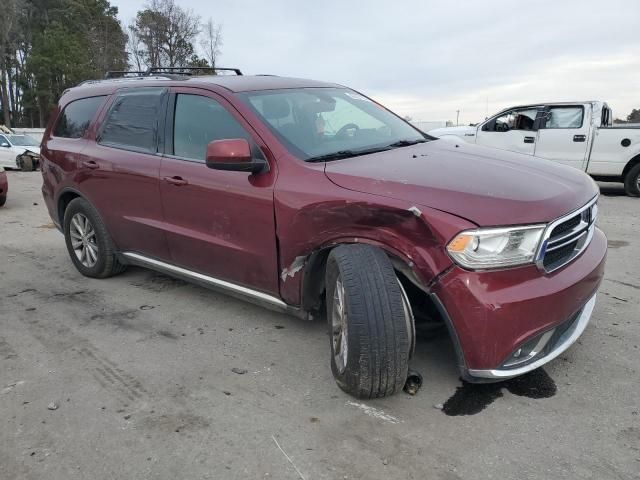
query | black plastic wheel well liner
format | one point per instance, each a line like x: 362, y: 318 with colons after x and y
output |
x: 314, y: 276
x: 65, y: 197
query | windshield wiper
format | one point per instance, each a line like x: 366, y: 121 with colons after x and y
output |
x: 345, y: 154
x: 406, y: 143
x: 354, y: 153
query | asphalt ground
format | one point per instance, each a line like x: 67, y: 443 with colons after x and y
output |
x: 139, y: 370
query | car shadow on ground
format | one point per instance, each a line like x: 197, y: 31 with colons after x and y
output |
x: 612, y: 189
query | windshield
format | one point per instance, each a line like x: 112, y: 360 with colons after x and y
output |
x: 330, y: 123
x: 22, y: 141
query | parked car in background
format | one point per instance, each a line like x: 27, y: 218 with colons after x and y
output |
x: 578, y: 134
x: 4, y: 187
x: 19, y: 151
x: 311, y: 199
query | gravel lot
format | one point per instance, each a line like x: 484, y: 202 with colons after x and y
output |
x: 140, y: 369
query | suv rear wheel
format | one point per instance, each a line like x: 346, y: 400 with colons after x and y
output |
x: 632, y: 182
x: 88, y: 242
x: 368, y: 321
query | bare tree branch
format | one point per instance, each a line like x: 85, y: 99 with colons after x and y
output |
x: 211, y: 42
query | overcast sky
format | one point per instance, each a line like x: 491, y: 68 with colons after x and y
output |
x: 428, y: 59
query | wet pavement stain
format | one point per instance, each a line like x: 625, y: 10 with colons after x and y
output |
x: 616, y: 243
x: 471, y: 398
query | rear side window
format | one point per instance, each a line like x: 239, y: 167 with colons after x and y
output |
x: 76, y: 117
x: 133, y: 120
x: 564, y: 117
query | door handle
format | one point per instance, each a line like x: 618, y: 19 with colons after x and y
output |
x: 177, y: 181
x: 529, y: 139
x: 90, y: 164
x: 579, y: 138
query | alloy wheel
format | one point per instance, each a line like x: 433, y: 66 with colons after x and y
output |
x: 83, y: 240
x: 339, y: 329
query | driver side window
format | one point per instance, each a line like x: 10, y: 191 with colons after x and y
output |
x: 522, y: 119
x: 3, y: 141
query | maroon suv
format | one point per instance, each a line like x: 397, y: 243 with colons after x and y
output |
x: 312, y: 199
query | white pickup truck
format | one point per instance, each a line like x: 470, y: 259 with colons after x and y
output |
x: 579, y: 134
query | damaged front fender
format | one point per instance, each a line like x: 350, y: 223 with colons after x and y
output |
x: 409, y: 234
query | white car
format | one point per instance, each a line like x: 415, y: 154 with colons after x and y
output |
x: 579, y: 134
x: 19, y: 151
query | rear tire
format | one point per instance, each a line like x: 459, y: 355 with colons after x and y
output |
x: 632, y: 182
x: 25, y: 162
x: 3, y: 200
x: 89, y: 244
x: 370, y: 339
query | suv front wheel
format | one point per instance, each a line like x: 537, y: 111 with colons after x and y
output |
x: 88, y: 242
x: 368, y: 321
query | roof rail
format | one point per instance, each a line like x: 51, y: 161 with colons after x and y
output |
x: 124, y: 73
x: 156, y: 71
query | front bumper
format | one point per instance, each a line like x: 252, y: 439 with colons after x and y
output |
x: 493, y: 315
x: 548, y: 352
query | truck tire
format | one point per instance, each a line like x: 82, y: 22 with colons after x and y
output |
x: 3, y: 200
x: 89, y: 244
x: 632, y: 182
x: 369, y: 332
x: 25, y: 162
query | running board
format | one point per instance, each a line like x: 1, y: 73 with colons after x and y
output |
x: 238, y: 291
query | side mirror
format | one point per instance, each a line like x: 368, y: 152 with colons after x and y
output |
x: 233, y: 155
x: 5, y: 144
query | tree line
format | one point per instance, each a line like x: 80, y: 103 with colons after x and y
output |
x: 47, y: 46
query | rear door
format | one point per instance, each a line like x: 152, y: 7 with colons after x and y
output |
x: 119, y: 172
x: 564, y: 135
x: 220, y: 223
x: 514, y: 130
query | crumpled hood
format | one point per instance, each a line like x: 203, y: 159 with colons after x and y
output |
x: 35, y: 150
x: 486, y: 186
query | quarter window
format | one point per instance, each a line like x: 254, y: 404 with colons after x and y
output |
x: 199, y: 120
x: 132, y: 122
x: 564, y: 117
x: 76, y: 117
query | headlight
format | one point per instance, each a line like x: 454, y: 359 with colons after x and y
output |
x: 487, y: 248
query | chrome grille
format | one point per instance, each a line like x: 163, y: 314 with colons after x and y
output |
x: 565, y: 238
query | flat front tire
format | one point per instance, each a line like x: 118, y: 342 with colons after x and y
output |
x: 369, y: 329
x: 25, y: 162
x: 88, y: 242
x: 632, y: 182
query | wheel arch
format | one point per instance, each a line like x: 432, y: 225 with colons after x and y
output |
x: 630, y: 164
x: 313, y: 281
x: 63, y: 200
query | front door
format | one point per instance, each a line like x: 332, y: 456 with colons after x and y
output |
x: 564, y: 135
x: 219, y: 223
x: 514, y: 130
x: 7, y: 157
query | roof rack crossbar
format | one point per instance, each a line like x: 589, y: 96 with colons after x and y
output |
x: 190, y: 70
x: 152, y: 71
